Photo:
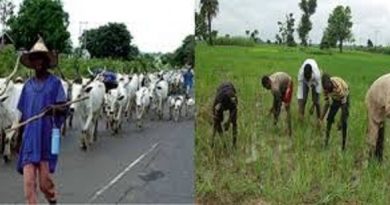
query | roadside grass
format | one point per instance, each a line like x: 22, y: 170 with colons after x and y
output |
x: 268, y: 166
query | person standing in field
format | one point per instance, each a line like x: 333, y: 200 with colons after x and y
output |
x: 337, y: 89
x: 281, y: 86
x: 41, y: 92
x: 378, y: 107
x: 309, y: 78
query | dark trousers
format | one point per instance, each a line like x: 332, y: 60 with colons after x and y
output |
x: 336, y: 105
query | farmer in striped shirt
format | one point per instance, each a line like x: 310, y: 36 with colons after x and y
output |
x: 337, y: 89
x: 281, y: 86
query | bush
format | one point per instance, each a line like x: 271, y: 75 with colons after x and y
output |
x: 69, y: 64
x: 381, y: 50
x: 7, y: 60
x: 234, y: 41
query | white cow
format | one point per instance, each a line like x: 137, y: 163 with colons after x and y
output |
x: 178, y: 106
x: 171, y: 106
x: 160, y: 96
x: 176, y: 82
x: 132, y: 88
x: 116, y: 102
x: 142, y: 104
x: 66, y: 86
x: 189, y: 106
x: 141, y: 80
x: 80, y: 81
x: 88, y: 110
x: 9, y: 114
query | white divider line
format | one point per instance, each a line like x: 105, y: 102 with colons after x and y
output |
x: 121, y: 174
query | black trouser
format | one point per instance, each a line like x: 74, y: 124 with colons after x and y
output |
x: 336, y: 104
x: 218, y: 119
x: 315, y: 99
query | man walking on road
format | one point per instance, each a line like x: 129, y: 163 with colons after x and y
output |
x: 188, y: 80
x: 36, y: 162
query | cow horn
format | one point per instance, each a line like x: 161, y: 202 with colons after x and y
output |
x: 8, y: 79
x: 63, y: 76
x: 89, y: 70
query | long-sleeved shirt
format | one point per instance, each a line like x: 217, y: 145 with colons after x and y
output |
x: 340, y: 90
x: 314, y: 81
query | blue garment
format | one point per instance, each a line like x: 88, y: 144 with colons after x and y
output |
x: 109, y: 76
x: 36, y: 144
x: 188, y: 79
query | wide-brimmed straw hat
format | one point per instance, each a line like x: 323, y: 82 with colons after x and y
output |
x: 39, y: 48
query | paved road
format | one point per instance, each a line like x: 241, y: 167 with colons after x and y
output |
x: 152, y: 165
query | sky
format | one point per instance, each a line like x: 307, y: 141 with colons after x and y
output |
x: 370, y: 18
x: 156, y: 25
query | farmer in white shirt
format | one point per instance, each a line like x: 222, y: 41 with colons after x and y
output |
x: 309, y: 77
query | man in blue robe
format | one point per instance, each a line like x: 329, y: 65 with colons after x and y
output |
x: 40, y: 92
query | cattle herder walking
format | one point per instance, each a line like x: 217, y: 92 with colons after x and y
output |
x: 337, y: 89
x: 378, y: 107
x: 41, y: 92
x: 281, y: 86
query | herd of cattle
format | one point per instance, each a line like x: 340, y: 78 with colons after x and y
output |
x: 134, y: 94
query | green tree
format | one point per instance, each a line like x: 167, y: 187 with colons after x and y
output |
x: 369, y: 44
x: 46, y: 17
x: 111, y: 40
x: 308, y: 7
x: 200, y: 26
x: 247, y: 32
x: 327, y: 40
x: 209, y: 9
x: 6, y: 12
x: 290, y: 30
x: 254, y: 36
x: 340, y: 25
x: 185, y: 53
x: 278, y: 39
x: 286, y: 31
x: 281, y: 37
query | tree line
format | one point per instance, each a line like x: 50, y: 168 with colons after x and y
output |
x: 50, y: 20
x: 337, y: 32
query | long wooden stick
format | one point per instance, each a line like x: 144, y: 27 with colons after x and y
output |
x: 35, y: 117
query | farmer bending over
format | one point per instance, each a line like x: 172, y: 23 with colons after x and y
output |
x: 309, y: 78
x: 225, y: 100
x: 337, y: 89
x: 281, y: 86
x: 378, y: 107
